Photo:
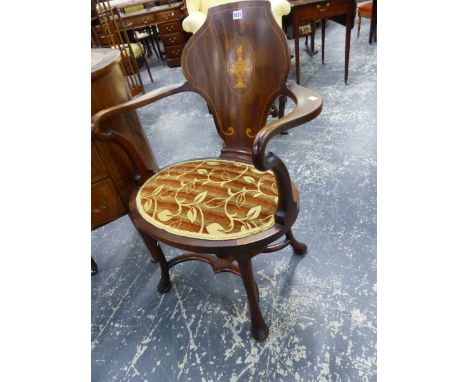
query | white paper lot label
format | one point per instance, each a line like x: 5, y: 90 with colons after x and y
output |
x: 237, y: 15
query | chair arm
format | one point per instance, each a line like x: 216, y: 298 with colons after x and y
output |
x: 308, y: 106
x: 193, y: 22
x: 141, y: 171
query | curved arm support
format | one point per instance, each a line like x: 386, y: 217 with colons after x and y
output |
x: 308, y: 106
x: 136, y: 103
x: 141, y: 171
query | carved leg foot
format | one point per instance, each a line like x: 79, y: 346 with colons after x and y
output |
x: 258, y: 327
x: 165, y: 284
x: 298, y: 247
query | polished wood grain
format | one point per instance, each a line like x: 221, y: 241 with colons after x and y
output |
x: 229, y: 63
x: 239, y: 112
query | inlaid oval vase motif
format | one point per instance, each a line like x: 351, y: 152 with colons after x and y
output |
x: 240, y: 65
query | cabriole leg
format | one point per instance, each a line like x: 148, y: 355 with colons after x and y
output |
x: 298, y: 247
x: 151, y: 246
x: 156, y: 253
x: 258, y: 327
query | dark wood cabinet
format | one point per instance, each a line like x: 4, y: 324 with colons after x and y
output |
x: 111, y: 171
x: 106, y: 204
x: 168, y: 18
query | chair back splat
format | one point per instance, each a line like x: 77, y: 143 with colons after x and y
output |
x: 239, y: 77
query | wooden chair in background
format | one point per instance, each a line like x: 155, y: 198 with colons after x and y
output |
x: 368, y: 10
x: 148, y: 35
x: 112, y: 33
x: 225, y: 210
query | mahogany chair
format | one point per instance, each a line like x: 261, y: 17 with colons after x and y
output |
x: 147, y: 35
x: 368, y: 10
x: 113, y: 33
x: 225, y: 210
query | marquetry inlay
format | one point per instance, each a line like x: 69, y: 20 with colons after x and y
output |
x: 240, y: 65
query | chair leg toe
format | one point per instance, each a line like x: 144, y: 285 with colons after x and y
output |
x: 259, y: 334
x: 164, y: 285
x: 258, y: 327
x: 298, y: 247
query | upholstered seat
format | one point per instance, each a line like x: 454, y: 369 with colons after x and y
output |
x: 133, y: 8
x: 137, y: 49
x: 141, y: 35
x: 365, y: 9
x: 210, y: 199
x: 197, y: 10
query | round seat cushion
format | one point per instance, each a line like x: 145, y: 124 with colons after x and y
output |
x: 210, y: 199
x: 365, y: 9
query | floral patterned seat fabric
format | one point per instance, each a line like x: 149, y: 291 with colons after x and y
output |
x: 210, y: 199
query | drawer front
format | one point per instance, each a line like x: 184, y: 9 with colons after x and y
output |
x: 169, y: 28
x: 173, y: 39
x: 174, y: 51
x: 139, y: 21
x: 173, y: 62
x: 325, y: 9
x: 167, y: 16
x: 106, y: 204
